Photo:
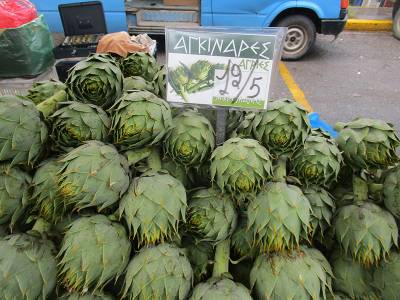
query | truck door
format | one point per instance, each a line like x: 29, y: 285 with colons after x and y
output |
x: 247, y: 13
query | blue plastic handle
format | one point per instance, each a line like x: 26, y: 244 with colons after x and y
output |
x: 317, y: 123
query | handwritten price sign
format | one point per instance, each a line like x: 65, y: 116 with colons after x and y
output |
x: 217, y: 68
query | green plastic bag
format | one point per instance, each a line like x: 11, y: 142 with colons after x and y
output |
x: 26, y: 50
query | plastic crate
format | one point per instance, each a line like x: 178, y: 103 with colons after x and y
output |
x: 19, y: 86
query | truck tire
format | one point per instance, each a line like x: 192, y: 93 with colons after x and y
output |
x: 396, y: 25
x: 300, y: 37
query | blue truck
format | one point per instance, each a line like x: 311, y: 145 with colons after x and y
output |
x: 304, y: 18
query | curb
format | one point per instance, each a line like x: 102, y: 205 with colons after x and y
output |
x: 368, y: 25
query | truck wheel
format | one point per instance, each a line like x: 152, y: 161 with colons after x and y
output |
x: 300, y: 36
x: 396, y: 25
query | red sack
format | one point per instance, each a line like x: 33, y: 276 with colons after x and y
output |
x: 14, y: 13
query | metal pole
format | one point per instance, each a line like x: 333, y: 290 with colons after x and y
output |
x: 221, y: 125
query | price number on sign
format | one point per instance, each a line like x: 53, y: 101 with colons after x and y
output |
x: 236, y: 83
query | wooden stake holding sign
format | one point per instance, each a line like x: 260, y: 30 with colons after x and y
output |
x: 222, y: 69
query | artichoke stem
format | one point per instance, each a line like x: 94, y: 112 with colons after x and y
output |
x: 41, y: 226
x: 154, y: 160
x: 360, y: 189
x: 221, y: 263
x: 280, y: 169
x: 50, y: 105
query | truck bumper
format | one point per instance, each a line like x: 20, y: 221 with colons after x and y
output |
x: 333, y: 27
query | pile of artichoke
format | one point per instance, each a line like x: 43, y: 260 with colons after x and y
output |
x: 108, y: 192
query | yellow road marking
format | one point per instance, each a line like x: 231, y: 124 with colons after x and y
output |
x: 293, y: 87
x: 369, y: 25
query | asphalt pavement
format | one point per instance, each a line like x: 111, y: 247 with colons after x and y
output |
x: 357, y: 75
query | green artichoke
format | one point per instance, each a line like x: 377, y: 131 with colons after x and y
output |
x: 94, y: 251
x: 233, y: 121
x: 138, y: 83
x: 28, y: 268
x: 153, y: 207
x: 322, y: 210
x: 96, y: 80
x: 387, y: 277
x: 200, y: 255
x: 391, y: 191
x: 139, y: 119
x: 93, y: 175
x: 283, y: 128
x: 240, y: 167
x: 368, y: 144
x: 22, y: 130
x: 46, y: 201
x: 337, y: 296
x: 178, y: 79
x: 160, y: 82
x: 278, y: 216
x: 302, y: 275
x: 242, y: 242
x: 41, y: 91
x: 157, y: 273
x: 211, y: 215
x: 76, y: 123
x: 190, y: 140
x: 351, y: 278
x: 94, y: 296
x: 318, y: 161
x: 14, y: 193
x: 220, y: 288
x: 140, y: 64
x: 366, y: 231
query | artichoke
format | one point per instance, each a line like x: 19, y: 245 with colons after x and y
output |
x: 14, y: 193
x: 139, y: 119
x: 304, y: 274
x: 211, y: 215
x: 93, y: 296
x: 140, y: 64
x: 96, y: 80
x: 318, y: 161
x: 46, y: 201
x: 351, y: 278
x: 368, y: 144
x: 158, y: 272
x: 283, y: 128
x: 322, y: 210
x: 138, y: 83
x: 242, y: 240
x: 387, y: 277
x: 391, y: 191
x: 178, y: 79
x: 28, y: 268
x: 190, y: 140
x: 200, y: 255
x: 160, y: 82
x: 337, y: 296
x: 366, y: 231
x: 153, y: 207
x: 22, y: 130
x: 240, y: 167
x: 278, y: 216
x: 93, y: 175
x: 41, y: 91
x: 76, y: 123
x: 94, y: 251
x: 222, y: 289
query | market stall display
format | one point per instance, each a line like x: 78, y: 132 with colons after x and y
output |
x: 117, y: 194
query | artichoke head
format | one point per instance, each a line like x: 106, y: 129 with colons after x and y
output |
x: 97, y: 80
x: 240, y: 167
x: 140, y: 64
x: 41, y: 91
x: 283, y: 128
x: 158, y: 272
x: 109, y: 249
x: 153, y: 214
x: 368, y: 144
x: 220, y: 288
x: 139, y: 119
x: 391, y: 191
x: 211, y: 215
x: 387, y: 277
x: 190, y: 140
x: 76, y: 123
x: 138, y: 83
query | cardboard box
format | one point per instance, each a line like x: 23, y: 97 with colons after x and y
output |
x: 182, y: 2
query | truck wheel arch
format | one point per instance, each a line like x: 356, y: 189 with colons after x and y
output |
x: 299, y: 11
